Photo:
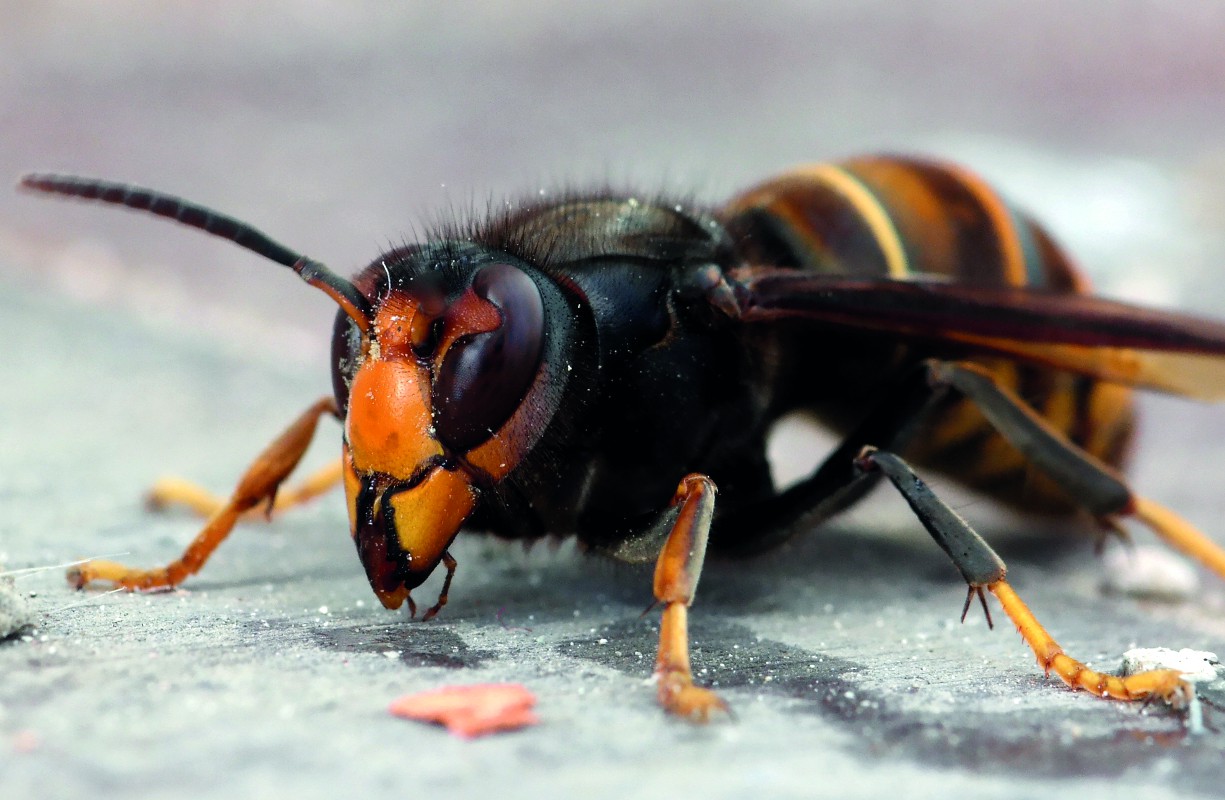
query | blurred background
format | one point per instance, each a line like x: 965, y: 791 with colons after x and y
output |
x: 340, y: 127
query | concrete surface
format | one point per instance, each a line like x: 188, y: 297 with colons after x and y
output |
x: 133, y: 349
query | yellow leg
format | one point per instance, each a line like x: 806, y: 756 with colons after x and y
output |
x: 1161, y: 684
x: 676, y: 579
x: 982, y: 568
x: 1179, y: 534
x: 258, y: 485
x: 171, y: 492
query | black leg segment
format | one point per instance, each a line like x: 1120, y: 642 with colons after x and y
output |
x: 1092, y: 484
x: 973, y: 557
x: 892, y: 425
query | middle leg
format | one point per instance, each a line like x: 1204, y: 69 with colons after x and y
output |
x: 847, y: 473
x: 177, y: 492
x: 983, y: 569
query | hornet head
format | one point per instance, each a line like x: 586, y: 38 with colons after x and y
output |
x: 441, y: 366
x: 439, y: 404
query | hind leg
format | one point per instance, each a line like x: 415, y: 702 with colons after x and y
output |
x: 1088, y: 482
x: 844, y: 476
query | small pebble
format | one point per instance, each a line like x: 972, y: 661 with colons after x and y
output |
x: 1150, y: 572
x: 15, y: 612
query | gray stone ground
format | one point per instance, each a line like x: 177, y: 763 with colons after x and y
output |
x: 133, y: 349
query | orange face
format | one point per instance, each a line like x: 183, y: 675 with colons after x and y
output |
x: 432, y: 418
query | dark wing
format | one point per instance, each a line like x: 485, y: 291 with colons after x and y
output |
x: 1090, y: 335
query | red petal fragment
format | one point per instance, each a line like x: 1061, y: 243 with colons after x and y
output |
x: 471, y: 711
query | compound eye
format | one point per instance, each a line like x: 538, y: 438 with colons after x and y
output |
x: 485, y: 376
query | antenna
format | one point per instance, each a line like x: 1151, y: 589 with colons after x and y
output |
x: 317, y: 274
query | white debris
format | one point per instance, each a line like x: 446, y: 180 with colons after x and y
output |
x: 1196, y: 666
x: 15, y: 612
x: 1149, y: 572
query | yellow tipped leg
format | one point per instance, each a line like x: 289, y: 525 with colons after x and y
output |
x: 170, y: 492
x: 257, y: 486
x: 1161, y: 684
x: 176, y: 492
x: 676, y: 579
x: 677, y: 692
x: 982, y: 568
x: 1179, y: 534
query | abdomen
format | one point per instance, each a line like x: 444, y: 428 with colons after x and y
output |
x: 904, y: 219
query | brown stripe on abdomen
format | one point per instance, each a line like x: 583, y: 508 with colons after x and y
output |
x: 953, y: 224
x: 802, y: 222
x: 904, y: 218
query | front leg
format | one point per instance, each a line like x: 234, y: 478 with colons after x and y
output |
x: 676, y: 579
x: 258, y: 485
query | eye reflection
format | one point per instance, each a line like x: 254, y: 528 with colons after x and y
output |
x: 426, y: 335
